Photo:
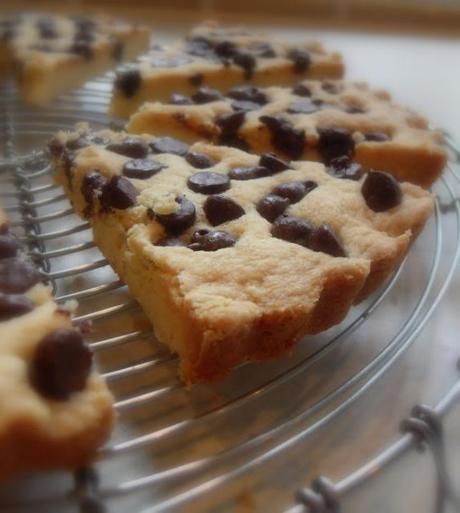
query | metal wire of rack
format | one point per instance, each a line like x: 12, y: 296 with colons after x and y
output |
x: 164, y: 453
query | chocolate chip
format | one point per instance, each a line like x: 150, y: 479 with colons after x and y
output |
x: 248, y: 173
x: 247, y: 62
x: 87, y: 36
x: 118, y: 193
x: 301, y: 90
x: 272, y: 206
x: 168, y: 61
x: 225, y: 49
x: 376, y: 137
x: 133, y: 147
x: 220, y: 209
x: 180, y: 99
x: 353, y: 109
x: 285, y: 138
x: 142, y: 168
x: 84, y: 140
x: 8, y: 245
x: 128, y: 82
x: 17, y: 275
x: 230, y: 122
x: 300, y: 58
x: 170, y: 242
x: 14, y: 305
x: 47, y: 28
x: 178, y: 221
x: 248, y: 94
x: 294, y: 191
x: 55, y: 147
x: 92, y: 182
x: 206, y: 182
x: 263, y: 50
x: 381, y: 191
x: 211, y: 240
x: 292, y: 229
x: 273, y: 163
x: 82, y: 23
x: 334, y: 142
x: 324, y: 240
x: 83, y: 49
x: 199, y: 160
x: 331, y: 87
x: 206, y: 95
x: 196, y: 79
x: 61, y: 364
x: 169, y: 145
x: 240, y: 105
x: 117, y: 48
x: 303, y: 107
x: 344, y: 167
x: 199, y: 46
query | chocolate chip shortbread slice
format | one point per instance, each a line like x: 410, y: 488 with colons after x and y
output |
x: 234, y: 257
x: 53, y: 54
x: 220, y: 58
x: 55, y: 410
x: 317, y: 120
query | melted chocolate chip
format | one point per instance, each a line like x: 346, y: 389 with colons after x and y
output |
x: 118, y: 193
x: 211, y: 240
x: 248, y: 173
x: 300, y: 58
x: 206, y: 95
x: 199, y: 160
x: 301, y: 90
x: 178, y: 221
x: 381, y: 191
x: 180, y: 99
x: 334, y: 142
x: 248, y: 94
x: 46, y: 28
x: 92, y: 182
x: 294, y: 191
x: 344, y: 167
x: 61, y: 364
x: 303, y: 107
x: 272, y: 206
x: 225, y: 49
x: 128, y: 82
x: 142, y: 168
x: 324, y: 240
x: 273, y: 163
x: 247, y: 62
x: 170, y: 242
x: 17, y: 275
x: 8, y: 245
x: 229, y: 125
x: 14, y: 305
x: 133, y: 147
x: 292, y: 229
x: 196, y: 79
x: 169, y: 145
x: 285, y: 138
x: 83, y: 49
x: 220, y: 209
x: 376, y: 137
x: 206, y: 182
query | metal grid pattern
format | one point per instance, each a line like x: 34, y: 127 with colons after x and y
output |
x: 145, y: 466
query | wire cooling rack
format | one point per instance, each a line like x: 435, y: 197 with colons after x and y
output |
x: 179, y: 449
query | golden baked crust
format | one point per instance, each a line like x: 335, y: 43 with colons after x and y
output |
x: 385, y: 135
x: 36, y: 432
x: 253, y: 300
x: 185, y: 65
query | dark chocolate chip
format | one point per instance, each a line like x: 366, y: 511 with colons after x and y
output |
x: 128, y: 82
x: 300, y: 58
x: 61, y: 364
x: 83, y: 49
x: 294, y: 191
x: 87, y: 36
x: 142, y: 168
x: 180, y: 99
x: 248, y: 173
x: 168, y: 145
x: 229, y: 123
x: 8, y: 245
x: 118, y: 193
x: 353, y: 109
x: 82, y: 23
x: 92, y: 182
x: 133, y: 147
x: 272, y: 206
x: 211, y: 240
x: 285, y: 138
x: 170, y: 242
x: 206, y: 95
x: 17, y: 275
x: 292, y: 229
x: 85, y: 140
x: 220, y: 209
x: 334, y: 142
x: 324, y: 240
x: 301, y: 90
x: 303, y: 107
x: 331, y: 87
x: 199, y: 160
x: 14, y: 305
x: 196, y: 79
x: 248, y: 93
x: 47, y: 28
x: 168, y: 61
x: 199, y: 46
x: 246, y: 61
x: 244, y: 105
x: 381, y: 191
x: 273, y: 163
x: 225, y: 49
x: 376, y: 137
x: 344, y: 167
x: 206, y: 182
x: 178, y: 221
